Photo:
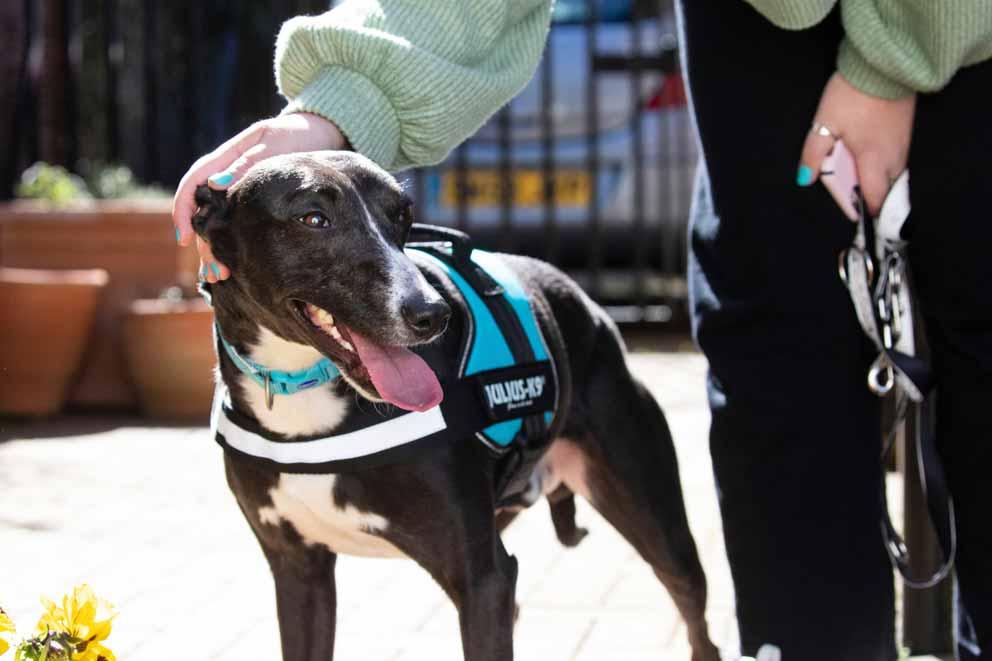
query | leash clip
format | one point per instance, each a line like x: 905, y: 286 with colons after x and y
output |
x: 842, y: 258
x: 842, y: 267
x: 881, y: 367
x: 869, y: 267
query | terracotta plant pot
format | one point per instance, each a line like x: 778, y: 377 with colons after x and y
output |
x: 170, y: 356
x: 132, y: 239
x: 45, y: 322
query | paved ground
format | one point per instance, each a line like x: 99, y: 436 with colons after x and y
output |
x: 143, y: 515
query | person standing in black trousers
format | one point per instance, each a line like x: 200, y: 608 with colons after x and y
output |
x: 795, y: 434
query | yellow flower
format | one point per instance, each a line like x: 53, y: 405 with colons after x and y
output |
x: 6, y: 626
x: 85, y: 618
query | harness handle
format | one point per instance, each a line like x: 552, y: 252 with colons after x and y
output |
x: 427, y: 237
x: 461, y: 243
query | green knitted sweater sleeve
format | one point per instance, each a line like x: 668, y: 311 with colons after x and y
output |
x: 405, y: 80
x: 893, y: 48
x: 896, y: 47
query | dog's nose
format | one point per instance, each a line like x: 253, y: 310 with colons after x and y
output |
x: 426, y: 318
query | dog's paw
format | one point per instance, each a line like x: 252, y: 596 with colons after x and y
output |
x: 572, y: 537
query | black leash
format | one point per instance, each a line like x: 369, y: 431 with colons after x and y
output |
x: 934, y: 486
x: 874, y: 269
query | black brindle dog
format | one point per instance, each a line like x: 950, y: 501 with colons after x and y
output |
x: 315, y: 246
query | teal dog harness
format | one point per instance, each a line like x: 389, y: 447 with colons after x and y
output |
x: 501, y: 388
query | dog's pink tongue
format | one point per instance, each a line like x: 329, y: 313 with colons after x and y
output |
x: 401, y: 376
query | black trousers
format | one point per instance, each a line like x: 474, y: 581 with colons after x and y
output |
x: 795, y: 434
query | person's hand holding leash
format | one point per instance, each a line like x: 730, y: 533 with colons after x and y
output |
x: 877, y: 131
x: 225, y: 165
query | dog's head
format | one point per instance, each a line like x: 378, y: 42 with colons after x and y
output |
x: 314, y: 242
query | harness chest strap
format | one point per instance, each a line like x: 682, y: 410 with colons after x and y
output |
x: 244, y: 437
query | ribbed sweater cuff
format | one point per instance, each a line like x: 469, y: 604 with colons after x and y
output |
x: 860, y: 73
x: 357, y: 107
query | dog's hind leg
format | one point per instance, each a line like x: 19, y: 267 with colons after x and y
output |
x: 629, y: 473
x: 306, y: 602
x: 562, y: 504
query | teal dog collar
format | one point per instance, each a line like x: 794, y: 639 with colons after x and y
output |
x: 276, y: 382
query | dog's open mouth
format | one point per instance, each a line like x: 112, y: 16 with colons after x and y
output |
x: 392, y: 373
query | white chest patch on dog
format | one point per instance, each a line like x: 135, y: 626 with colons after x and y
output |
x: 305, y: 413
x: 307, y: 502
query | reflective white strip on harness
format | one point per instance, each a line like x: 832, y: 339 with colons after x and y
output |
x: 383, y: 436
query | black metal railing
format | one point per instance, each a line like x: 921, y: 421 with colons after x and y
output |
x: 145, y: 83
x: 589, y: 168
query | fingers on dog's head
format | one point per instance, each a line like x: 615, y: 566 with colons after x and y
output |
x: 212, y: 206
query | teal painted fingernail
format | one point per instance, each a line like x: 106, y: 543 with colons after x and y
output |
x: 221, y: 178
x: 215, y: 269
x: 805, y: 176
x: 177, y: 235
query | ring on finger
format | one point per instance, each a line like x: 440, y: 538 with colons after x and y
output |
x: 825, y: 131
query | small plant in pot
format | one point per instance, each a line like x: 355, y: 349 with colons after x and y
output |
x: 168, y: 343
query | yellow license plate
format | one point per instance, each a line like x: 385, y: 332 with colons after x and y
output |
x: 484, y: 188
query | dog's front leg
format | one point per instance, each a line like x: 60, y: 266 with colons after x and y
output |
x: 306, y: 601
x: 466, y: 557
x: 486, y: 601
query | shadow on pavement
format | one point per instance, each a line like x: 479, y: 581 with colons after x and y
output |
x: 79, y: 424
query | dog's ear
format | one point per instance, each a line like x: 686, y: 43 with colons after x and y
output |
x: 212, y: 208
x: 212, y: 223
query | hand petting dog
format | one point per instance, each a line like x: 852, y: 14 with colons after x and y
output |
x: 223, y: 166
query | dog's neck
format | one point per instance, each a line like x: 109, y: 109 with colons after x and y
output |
x: 306, y: 413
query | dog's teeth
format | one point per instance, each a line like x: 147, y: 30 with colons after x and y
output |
x: 336, y: 334
x: 347, y: 345
x: 320, y: 316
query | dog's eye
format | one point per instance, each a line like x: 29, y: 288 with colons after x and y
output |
x: 315, y: 220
